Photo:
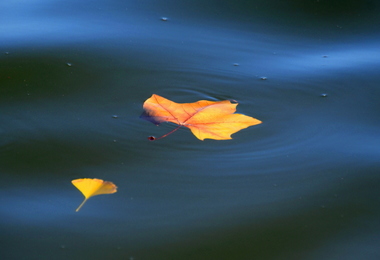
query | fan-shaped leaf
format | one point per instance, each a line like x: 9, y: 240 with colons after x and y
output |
x: 93, y: 187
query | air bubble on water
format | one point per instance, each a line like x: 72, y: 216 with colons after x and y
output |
x: 69, y: 64
x: 164, y: 19
x: 324, y: 56
x: 6, y: 53
x: 115, y: 116
x: 263, y: 78
x: 236, y: 64
x: 323, y: 95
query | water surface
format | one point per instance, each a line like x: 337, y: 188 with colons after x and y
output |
x: 302, y: 185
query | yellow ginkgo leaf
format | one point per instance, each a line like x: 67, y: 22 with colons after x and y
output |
x: 92, y: 187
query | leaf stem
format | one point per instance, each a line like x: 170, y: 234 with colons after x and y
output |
x: 172, y: 131
x: 81, y: 205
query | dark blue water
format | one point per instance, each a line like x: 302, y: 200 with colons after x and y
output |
x: 303, y: 185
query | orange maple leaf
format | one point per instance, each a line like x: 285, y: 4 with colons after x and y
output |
x: 206, y: 119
